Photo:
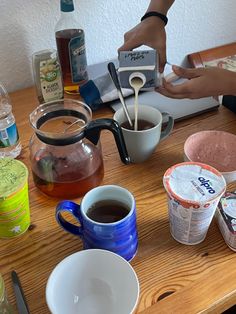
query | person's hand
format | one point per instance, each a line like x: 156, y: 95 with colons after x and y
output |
x: 150, y: 32
x: 202, y: 82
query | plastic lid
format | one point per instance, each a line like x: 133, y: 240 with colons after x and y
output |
x: 13, y: 175
x: 194, y: 182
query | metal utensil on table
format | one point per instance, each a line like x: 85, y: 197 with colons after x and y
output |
x: 19, y: 294
x: 112, y: 71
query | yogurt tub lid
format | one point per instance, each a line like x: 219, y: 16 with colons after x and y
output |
x: 13, y: 175
x: 194, y: 182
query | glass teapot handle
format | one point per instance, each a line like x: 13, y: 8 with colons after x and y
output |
x: 93, y: 129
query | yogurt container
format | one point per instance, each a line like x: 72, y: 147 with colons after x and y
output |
x: 226, y: 218
x: 14, y: 200
x: 193, y: 190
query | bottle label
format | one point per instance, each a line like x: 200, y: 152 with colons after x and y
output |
x: 50, y: 79
x: 78, y: 62
x: 9, y: 136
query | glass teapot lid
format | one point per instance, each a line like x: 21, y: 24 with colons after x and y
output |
x: 61, y: 122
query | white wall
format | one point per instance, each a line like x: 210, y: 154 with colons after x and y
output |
x: 28, y: 26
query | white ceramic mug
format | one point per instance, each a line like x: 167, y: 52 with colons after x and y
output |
x: 141, y: 144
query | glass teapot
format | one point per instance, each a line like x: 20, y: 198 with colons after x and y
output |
x: 65, y: 151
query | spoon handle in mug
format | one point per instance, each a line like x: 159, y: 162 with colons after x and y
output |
x: 112, y: 71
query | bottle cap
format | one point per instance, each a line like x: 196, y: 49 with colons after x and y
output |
x: 67, y: 5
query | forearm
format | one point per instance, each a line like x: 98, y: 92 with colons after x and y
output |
x: 226, y: 82
x: 232, y: 84
x: 161, y: 6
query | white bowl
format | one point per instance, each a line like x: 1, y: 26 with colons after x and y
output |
x: 215, y: 148
x: 93, y: 282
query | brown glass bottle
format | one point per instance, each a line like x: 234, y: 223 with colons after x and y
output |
x: 70, y: 39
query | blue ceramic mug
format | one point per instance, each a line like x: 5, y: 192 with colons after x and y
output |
x: 107, y: 218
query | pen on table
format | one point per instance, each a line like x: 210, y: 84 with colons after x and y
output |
x: 19, y: 294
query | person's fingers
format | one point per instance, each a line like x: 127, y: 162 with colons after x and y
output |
x: 130, y: 44
x: 127, y: 46
x: 166, y: 93
x: 162, y: 59
x: 177, y: 89
x: 186, y: 73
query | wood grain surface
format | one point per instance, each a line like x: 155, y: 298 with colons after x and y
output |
x: 174, y: 278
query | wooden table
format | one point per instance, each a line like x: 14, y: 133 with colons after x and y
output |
x: 174, y: 278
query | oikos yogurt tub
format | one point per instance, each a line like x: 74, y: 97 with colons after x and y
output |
x: 193, y: 190
x: 226, y: 218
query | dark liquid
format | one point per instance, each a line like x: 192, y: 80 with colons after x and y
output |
x: 108, y: 211
x: 63, y: 38
x: 55, y: 178
x: 142, y: 125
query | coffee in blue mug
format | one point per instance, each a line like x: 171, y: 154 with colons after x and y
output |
x: 107, y: 217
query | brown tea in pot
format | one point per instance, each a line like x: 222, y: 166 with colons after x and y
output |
x: 52, y: 176
x: 65, y: 151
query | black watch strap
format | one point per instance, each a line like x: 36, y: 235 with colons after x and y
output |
x: 157, y: 14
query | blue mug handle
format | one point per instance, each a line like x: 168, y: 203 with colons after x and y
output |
x: 74, y: 210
